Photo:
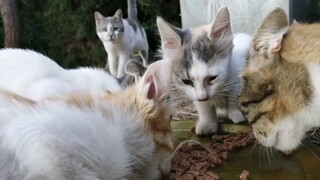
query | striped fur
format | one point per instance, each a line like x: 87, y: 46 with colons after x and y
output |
x: 280, y: 94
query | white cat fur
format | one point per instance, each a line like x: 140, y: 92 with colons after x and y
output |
x: 34, y: 75
x: 176, y: 45
x: 55, y: 140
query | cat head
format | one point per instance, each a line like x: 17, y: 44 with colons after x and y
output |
x: 134, y: 71
x: 149, y: 98
x: 274, y: 89
x: 109, y: 28
x: 200, y: 56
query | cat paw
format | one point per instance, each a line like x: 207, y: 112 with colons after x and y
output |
x: 206, y: 128
x: 236, y: 116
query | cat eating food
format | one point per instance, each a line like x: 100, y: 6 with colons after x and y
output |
x: 118, y: 135
x: 122, y: 37
x: 281, y: 93
x: 207, y: 60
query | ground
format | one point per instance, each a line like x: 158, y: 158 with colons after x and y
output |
x: 185, y: 107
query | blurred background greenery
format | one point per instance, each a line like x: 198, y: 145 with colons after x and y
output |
x: 65, y: 30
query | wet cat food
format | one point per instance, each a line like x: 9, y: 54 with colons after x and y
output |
x: 245, y: 175
x: 197, y: 161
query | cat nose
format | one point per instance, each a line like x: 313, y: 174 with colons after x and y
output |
x: 206, y: 98
x: 202, y: 95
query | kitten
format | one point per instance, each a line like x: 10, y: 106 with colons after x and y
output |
x: 122, y: 37
x: 281, y: 85
x: 207, y: 62
x: 36, y: 76
x: 118, y: 135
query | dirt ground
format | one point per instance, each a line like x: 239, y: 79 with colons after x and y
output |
x: 185, y: 106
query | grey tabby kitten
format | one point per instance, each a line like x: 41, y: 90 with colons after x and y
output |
x: 207, y: 63
x: 121, y: 38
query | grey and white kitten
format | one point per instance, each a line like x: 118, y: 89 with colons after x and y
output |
x: 207, y: 63
x: 121, y: 38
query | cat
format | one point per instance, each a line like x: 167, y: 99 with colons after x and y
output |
x: 135, y: 69
x: 280, y: 94
x: 122, y: 37
x: 207, y: 60
x: 36, y: 76
x: 118, y: 135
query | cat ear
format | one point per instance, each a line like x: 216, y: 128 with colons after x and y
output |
x: 118, y: 14
x: 170, y: 39
x: 135, y: 69
x: 268, y: 38
x: 156, y: 81
x: 98, y: 17
x: 294, y: 22
x: 221, y: 26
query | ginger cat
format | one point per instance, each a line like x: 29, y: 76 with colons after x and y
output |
x: 281, y: 82
x: 116, y: 136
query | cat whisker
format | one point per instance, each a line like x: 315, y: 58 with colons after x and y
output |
x: 309, y: 149
x: 267, y: 149
x: 255, y: 145
x: 187, y: 141
x: 261, y: 147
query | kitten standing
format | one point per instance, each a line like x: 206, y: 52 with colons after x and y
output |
x: 122, y: 37
x: 207, y: 62
x: 80, y: 137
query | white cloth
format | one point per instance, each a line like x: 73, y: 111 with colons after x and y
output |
x: 246, y: 15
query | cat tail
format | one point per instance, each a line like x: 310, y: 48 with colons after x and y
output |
x: 132, y: 9
x: 144, y: 57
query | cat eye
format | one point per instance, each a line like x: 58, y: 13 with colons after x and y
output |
x: 187, y: 82
x: 104, y: 29
x: 211, y: 78
x: 115, y: 28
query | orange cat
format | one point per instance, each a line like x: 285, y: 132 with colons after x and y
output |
x: 280, y: 96
x: 301, y: 43
x: 116, y: 136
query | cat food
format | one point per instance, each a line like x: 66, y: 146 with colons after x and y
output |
x: 196, y: 161
x: 245, y: 175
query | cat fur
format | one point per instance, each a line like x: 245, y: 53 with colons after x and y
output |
x: 121, y: 38
x: 207, y: 61
x: 119, y: 135
x: 36, y: 76
x: 280, y: 96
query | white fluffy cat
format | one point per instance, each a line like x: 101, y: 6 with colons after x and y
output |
x: 207, y: 61
x: 121, y: 38
x: 115, y: 136
x: 36, y: 76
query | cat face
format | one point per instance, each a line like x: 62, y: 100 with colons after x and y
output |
x: 275, y: 91
x: 109, y: 28
x: 201, y: 56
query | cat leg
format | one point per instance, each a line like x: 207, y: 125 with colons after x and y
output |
x: 122, y: 63
x: 234, y: 113
x: 113, y: 64
x: 208, y: 120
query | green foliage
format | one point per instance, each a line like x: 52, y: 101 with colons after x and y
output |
x: 65, y: 29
